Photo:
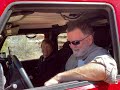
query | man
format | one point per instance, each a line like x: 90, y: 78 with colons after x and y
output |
x: 88, y: 61
x: 47, y: 66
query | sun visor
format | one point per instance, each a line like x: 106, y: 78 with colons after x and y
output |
x: 12, y: 31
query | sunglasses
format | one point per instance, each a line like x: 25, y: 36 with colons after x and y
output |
x: 77, y: 42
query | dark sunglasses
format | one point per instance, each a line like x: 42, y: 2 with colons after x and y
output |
x: 77, y: 42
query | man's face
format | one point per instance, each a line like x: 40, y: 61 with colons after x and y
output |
x: 80, y: 48
x: 46, y: 49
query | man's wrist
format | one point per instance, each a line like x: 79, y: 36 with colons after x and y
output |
x: 59, y: 77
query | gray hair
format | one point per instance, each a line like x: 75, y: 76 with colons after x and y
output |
x: 84, y: 27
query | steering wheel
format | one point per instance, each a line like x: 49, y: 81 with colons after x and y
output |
x: 21, y: 71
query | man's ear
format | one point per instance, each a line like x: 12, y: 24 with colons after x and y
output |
x: 90, y: 39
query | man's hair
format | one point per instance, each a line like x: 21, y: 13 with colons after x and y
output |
x: 84, y: 27
x: 47, y: 41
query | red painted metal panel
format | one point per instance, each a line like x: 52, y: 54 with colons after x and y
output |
x: 98, y: 86
x: 4, y: 4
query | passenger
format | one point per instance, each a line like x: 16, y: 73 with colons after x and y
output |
x: 47, y: 66
x: 88, y: 61
x: 47, y: 49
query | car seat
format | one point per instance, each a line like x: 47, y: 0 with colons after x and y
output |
x: 102, y: 38
x: 63, y: 55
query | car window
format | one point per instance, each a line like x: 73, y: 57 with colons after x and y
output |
x: 25, y: 47
x: 62, y: 38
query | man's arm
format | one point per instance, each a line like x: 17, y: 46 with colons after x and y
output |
x: 90, y: 72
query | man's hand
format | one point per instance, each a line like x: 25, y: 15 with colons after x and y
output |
x: 51, y: 82
x: 55, y: 80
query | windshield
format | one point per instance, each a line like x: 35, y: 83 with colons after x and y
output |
x: 24, y: 47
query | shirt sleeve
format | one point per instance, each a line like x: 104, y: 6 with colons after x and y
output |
x: 110, y: 67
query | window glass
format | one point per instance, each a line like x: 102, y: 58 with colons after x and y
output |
x: 62, y: 38
x: 24, y: 47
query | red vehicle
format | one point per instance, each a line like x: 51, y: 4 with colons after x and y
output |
x: 24, y: 23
